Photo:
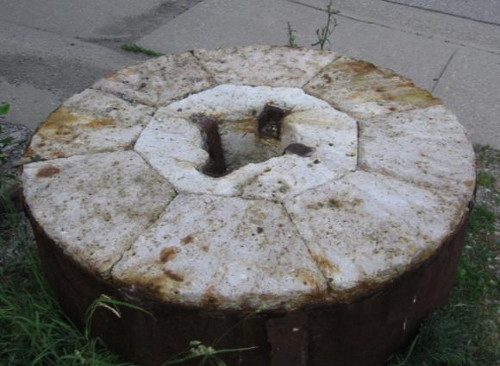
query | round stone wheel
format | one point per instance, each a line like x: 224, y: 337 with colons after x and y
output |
x: 307, y: 205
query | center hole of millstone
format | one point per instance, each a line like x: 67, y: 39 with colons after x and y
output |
x: 232, y: 144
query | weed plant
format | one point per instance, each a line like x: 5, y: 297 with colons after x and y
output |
x: 292, y: 42
x: 325, y: 32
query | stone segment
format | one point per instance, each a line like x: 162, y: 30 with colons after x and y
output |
x: 88, y: 122
x: 365, y: 229
x: 222, y: 252
x: 264, y: 65
x: 174, y: 141
x: 426, y: 147
x: 95, y: 206
x: 364, y: 90
x: 290, y: 175
x: 158, y: 81
x: 325, y: 129
x: 231, y: 102
x: 175, y: 147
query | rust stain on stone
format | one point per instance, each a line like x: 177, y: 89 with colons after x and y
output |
x: 150, y: 288
x: 47, y: 171
x: 188, y: 239
x: 60, y: 117
x: 356, y: 67
x: 29, y: 153
x: 248, y: 125
x: 325, y: 264
x: 98, y: 123
x: 209, y: 299
x: 333, y: 202
x: 348, y: 204
x: 327, y: 78
x: 62, y: 123
x: 173, y: 276
x: 308, y: 278
x: 168, y: 254
x: 470, y: 183
x: 418, y: 97
x: 117, y: 76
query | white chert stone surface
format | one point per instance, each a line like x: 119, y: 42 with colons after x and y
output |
x: 223, y: 251
x: 364, y: 90
x: 175, y: 148
x: 89, y: 122
x: 264, y: 65
x: 427, y: 147
x: 95, y: 206
x: 367, y: 228
x: 158, y: 81
x: 239, y: 102
x: 279, y: 232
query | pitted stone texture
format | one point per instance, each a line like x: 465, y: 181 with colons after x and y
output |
x: 427, y: 147
x: 230, y: 102
x: 366, y: 229
x: 356, y: 229
x: 174, y: 145
x: 95, y: 206
x: 222, y: 252
x: 158, y: 81
x: 264, y: 65
x: 89, y: 122
x: 364, y: 90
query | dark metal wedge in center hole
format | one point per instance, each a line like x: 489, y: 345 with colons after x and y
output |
x: 216, y: 166
x: 270, y: 121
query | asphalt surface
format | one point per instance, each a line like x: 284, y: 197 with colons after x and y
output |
x: 50, y: 49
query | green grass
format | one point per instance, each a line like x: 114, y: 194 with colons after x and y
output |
x: 486, y: 155
x: 132, y: 47
x: 486, y: 179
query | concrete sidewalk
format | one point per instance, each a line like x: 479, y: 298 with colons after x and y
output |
x: 52, y: 50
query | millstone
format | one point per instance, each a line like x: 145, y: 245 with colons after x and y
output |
x: 309, y: 205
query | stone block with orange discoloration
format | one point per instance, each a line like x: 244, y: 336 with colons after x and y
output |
x: 364, y: 90
x: 264, y: 65
x: 158, y: 81
x: 94, y: 206
x: 89, y: 122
